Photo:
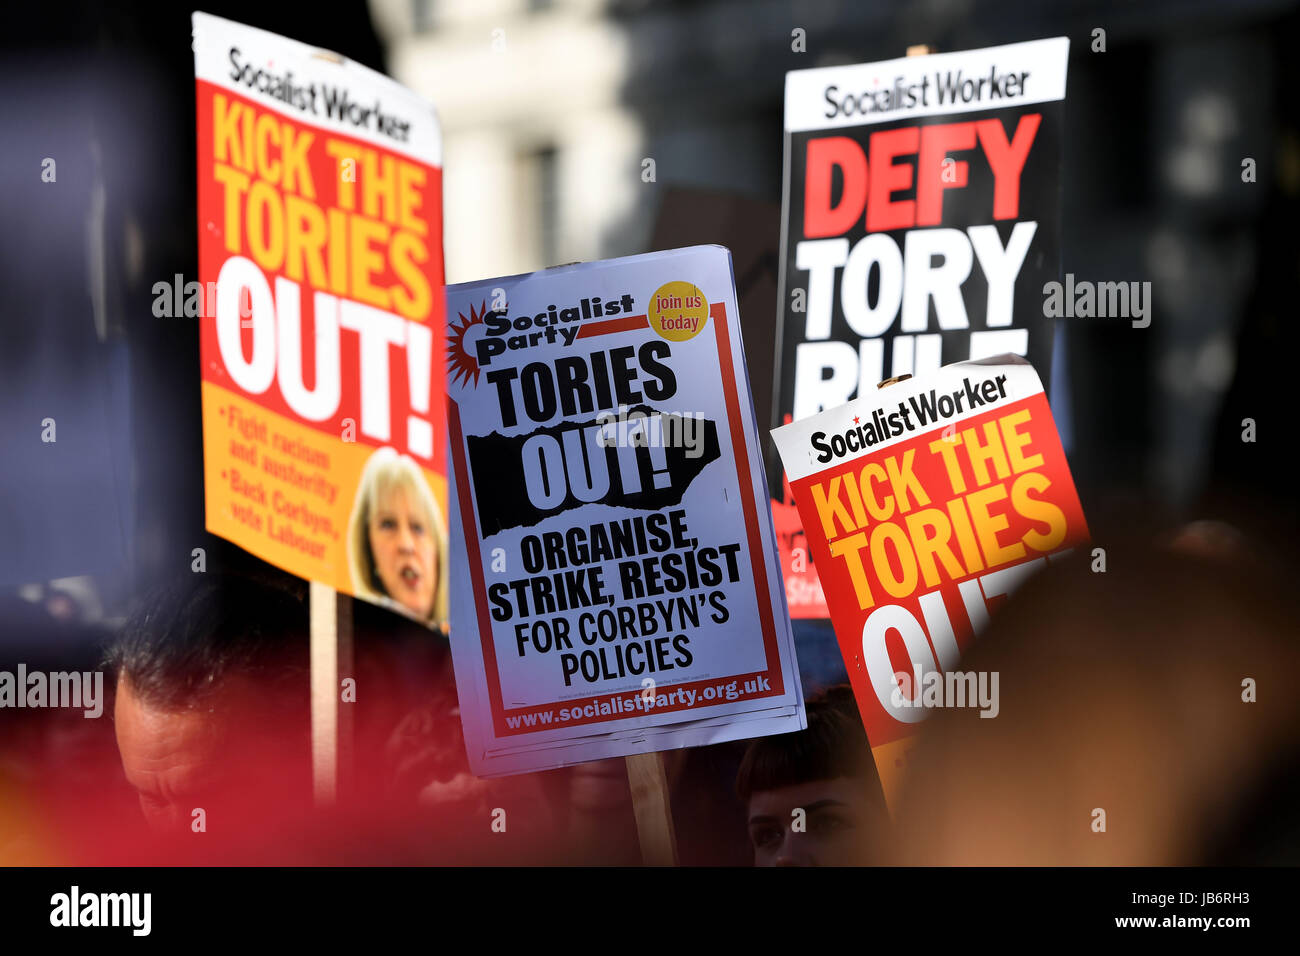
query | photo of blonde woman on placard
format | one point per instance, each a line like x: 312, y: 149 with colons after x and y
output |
x: 397, y: 539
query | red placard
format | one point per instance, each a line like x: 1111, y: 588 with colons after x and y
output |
x: 925, y: 506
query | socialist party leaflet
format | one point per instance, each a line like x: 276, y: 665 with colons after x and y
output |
x: 926, y: 503
x: 619, y: 591
x: 920, y: 223
x: 321, y: 301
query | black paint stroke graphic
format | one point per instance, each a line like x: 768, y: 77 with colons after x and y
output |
x: 497, y: 464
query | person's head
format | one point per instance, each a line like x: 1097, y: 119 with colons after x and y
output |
x: 1136, y: 737
x: 813, y: 797
x: 213, y: 701
x: 397, y: 542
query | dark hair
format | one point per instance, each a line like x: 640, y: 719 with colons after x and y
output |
x: 193, y: 632
x: 833, y: 745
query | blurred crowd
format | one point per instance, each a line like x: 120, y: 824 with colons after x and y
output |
x: 1123, y: 690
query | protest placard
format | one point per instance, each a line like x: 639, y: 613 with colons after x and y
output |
x: 320, y: 297
x: 926, y: 503
x: 620, y: 592
x: 921, y: 221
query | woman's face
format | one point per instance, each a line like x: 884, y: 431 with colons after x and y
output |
x: 401, y: 541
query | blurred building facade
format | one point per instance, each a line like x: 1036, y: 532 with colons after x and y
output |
x: 554, y: 109
x: 541, y: 157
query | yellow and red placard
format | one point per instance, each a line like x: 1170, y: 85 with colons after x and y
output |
x: 321, y: 273
x: 926, y: 504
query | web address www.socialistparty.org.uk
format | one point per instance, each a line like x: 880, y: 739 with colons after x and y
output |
x: 644, y: 701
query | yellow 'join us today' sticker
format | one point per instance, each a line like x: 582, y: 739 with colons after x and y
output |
x: 678, y: 311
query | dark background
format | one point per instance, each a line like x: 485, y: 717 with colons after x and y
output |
x: 1155, y: 131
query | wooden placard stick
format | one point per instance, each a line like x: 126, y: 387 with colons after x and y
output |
x: 654, y: 814
x: 331, y: 723
x: 345, y: 724
x: 650, y: 803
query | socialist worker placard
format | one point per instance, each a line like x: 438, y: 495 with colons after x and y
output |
x: 920, y: 222
x: 322, y: 304
x: 926, y: 503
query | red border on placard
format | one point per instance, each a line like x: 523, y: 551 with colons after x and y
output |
x: 626, y: 324
x: 757, y: 555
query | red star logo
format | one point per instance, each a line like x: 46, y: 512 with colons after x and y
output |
x: 855, y: 419
x: 461, y: 363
